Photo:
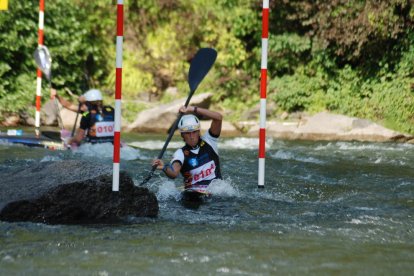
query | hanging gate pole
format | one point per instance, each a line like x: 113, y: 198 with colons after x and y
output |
x: 118, y: 95
x: 39, y: 72
x: 263, y: 88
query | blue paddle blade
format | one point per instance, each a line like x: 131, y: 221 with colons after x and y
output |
x: 200, y: 65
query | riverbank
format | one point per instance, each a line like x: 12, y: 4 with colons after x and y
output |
x: 323, y: 126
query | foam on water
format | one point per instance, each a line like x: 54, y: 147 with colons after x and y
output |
x: 167, y: 190
x: 233, y: 143
x: 5, y: 143
x: 358, y: 146
x: 288, y: 155
x: 106, y: 150
x: 243, y: 143
x: 49, y: 158
x: 223, y: 188
x: 155, y: 145
x: 269, y: 195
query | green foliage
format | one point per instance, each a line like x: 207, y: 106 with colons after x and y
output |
x: 359, y: 32
x: 78, y: 48
x: 16, y: 26
x: 386, y: 97
x: 299, y: 92
x: 130, y: 109
x: 135, y: 83
x: 286, y: 52
x: 350, y: 57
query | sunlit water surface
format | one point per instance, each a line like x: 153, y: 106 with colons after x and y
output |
x: 327, y: 208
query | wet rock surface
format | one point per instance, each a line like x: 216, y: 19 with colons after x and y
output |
x: 71, y: 192
x: 326, y: 126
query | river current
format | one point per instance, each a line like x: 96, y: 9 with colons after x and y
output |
x: 327, y: 208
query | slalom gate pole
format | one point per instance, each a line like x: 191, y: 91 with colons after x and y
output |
x: 118, y: 94
x: 263, y: 88
x: 39, y: 72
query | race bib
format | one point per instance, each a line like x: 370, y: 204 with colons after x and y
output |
x: 104, y: 129
x: 205, y: 172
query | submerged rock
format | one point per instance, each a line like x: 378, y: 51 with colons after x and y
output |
x: 47, y: 193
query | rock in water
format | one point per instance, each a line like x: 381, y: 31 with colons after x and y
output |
x: 89, y: 200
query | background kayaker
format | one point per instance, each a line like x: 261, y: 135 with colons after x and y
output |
x: 97, y: 122
x: 198, y: 161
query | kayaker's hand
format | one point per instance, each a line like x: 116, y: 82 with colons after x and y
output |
x: 83, y: 107
x: 187, y: 110
x: 82, y: 99
x: 159, y: 163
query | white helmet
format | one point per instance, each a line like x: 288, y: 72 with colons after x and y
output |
x: 93, y: 95
x: 188, y: 123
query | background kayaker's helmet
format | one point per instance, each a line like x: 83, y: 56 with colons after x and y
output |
x: 188, y: 123
x: 93, y: 95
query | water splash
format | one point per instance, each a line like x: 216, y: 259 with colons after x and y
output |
x: 167, y: 190
x: 105, y: 150
x: 155, y: 144
x: 358, y: 146
x: 233, y: 143
x: 48, y: 158
x: 223, y: 188
x: 244, y: 143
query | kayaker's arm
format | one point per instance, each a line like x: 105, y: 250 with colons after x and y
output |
x: 171, y: 171
x: 67, y: 104
x: 217, y: 118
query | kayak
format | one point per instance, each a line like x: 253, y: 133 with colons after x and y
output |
x: 32, y: 140
x: 193, y: 195
x: 48, y: 139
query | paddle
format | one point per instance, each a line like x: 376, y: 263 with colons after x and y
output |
x: 44, y: 62
x: 199, y: 67
x: 76, y: 119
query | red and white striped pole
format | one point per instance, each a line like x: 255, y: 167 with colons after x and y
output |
x: 118, y: 94
x: 263, y: 88
x: 39, y: 72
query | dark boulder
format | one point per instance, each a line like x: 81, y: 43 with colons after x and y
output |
x: 37, y: 194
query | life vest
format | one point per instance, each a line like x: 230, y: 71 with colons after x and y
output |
x: 101, y: 125
x: 200, y: 168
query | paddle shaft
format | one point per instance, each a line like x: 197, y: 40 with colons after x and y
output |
x: 60, y: 121
x: 76, y: 120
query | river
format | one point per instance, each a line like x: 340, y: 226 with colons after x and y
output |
x: 327, y: 208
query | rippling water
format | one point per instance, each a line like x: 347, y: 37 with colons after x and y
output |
x: 327, y: 208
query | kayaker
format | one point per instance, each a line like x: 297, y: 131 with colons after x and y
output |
x: 97, y: 122
x: 198, y: 161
